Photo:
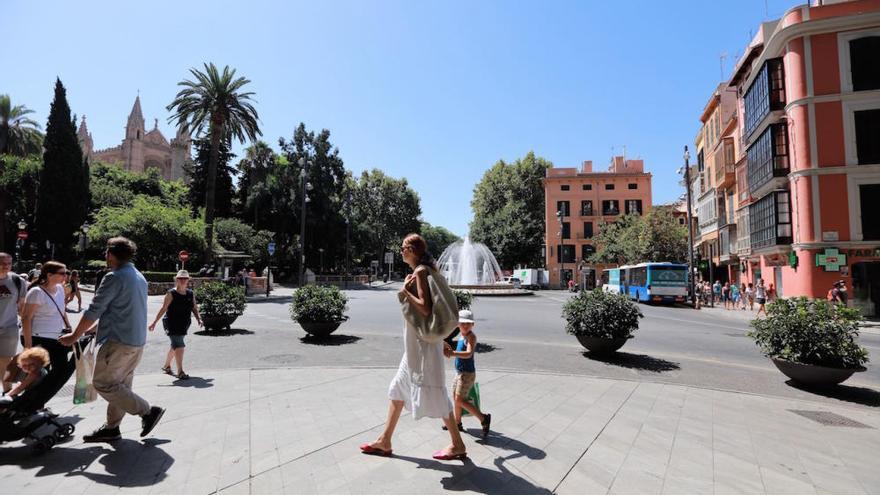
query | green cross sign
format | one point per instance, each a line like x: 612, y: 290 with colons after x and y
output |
x: 831, y: 260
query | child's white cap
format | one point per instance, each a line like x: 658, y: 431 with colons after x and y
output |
x: 182, y: 274
x: 465, y: 316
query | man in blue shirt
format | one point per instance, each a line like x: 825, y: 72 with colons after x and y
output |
x: 120, y: 307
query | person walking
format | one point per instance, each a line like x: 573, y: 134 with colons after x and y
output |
x: 725, y: 295
x: 180, y: 305
x: 423, y: 394
x: 750, y: 295
x: 716, y: 292
x: 73, y: 291
x: 120, y: 308
x: 761, y: 297
x: 13, y: 289
x: 43, y: 321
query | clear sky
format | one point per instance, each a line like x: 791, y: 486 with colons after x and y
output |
x: 434, y: 91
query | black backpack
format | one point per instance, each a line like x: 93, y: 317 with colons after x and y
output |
x: 16, y: 279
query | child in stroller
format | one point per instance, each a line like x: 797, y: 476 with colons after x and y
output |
x: 19, y: 417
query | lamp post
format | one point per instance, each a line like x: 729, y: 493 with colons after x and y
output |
x: 303, y: 163
x: 687, y: 180
x: 19, y: 242
x: 561, y: 251
x: 85, y: 240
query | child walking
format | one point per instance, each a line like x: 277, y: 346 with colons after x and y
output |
x: 180, y: 304
x: 465, y: 371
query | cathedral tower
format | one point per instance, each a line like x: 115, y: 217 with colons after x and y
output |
x: 133, y: 145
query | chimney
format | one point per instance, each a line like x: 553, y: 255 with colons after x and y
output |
x: 587, y: 167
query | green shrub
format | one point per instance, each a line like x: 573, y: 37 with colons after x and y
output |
x: 810, y: 332
x: 159, y: 276
x: 313, y: 303
x: 220, y: 299
x: 463, y: 298
x: 598, y: 313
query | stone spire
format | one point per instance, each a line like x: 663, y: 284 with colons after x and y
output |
x: 135, y: 127
x: 85, y: 138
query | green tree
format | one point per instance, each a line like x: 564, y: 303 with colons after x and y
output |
x: 224, y: 189
x: 110, y: 185
x: 19, y: 134
x: 656, y: 236
x: 235, y: 235
x: 438, y: 238
x: 62, y: 205
x: 383, y: 210
x: 19, y: 182
x: 508, y: 207
x: 159, y: 230
x: 215, y: 105
x: 617, y: 242
x: 254, y: 189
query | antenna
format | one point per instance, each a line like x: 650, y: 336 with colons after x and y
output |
x: 721, y: 58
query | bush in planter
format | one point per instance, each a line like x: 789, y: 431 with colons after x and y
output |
x: 216, y: 299
x: 463, y: 298
x: 601, y: 314
x: 318, y: 304
x: 812, y: 332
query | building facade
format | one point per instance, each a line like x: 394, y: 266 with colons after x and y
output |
x: 805, y: 187
x: 140, y: 149
x: 577, y: 202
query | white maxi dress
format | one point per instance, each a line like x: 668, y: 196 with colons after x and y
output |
x: 425, y: 396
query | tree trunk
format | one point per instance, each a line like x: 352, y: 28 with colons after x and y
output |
x: 210, y: 189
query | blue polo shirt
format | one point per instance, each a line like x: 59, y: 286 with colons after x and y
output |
x: 120, y: 306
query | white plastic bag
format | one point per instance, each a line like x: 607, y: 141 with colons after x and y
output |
x: 84, y: 391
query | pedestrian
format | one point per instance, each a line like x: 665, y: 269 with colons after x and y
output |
x: 725, y: 295
x: 13, y: 289
x: 120, y: 307
x: 734, y: 296
x: 35, y: 272
x: 761, y: 297
x: 180, y: 305
x: 73, y: 291
x: 466, y: 372
x: 771, y: 293
x: 424, y: 394
x: 43, y: 321
x: 842, y: 292
x: 750, y: 295
x: 743, y: 296
x: 716, y: 292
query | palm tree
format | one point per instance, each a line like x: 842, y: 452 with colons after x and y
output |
x: 214, y: 104
x: 256, y: 167
x: 19, y: 134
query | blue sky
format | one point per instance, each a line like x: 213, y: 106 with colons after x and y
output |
x: 433, y: 91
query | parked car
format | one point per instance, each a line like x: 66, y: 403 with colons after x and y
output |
x: 515, y: 282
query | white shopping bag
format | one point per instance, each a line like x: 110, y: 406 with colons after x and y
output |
x: 84, y: 391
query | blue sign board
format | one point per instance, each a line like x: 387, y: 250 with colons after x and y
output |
x: 271, y: 248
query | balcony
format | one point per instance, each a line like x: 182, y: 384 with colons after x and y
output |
x: 743, y: 239
x: 727, y: 239
x: 768, y: 164
x: 766, y: 94
x: 725, y: 163
x: 770, y: 221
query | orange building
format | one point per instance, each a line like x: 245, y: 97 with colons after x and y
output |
x: 808, y: 112
x: 577, y: 202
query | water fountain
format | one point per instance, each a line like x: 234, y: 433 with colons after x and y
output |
x: 472, y: 266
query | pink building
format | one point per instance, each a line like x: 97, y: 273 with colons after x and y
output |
x: 577, y: 201
x: 808, y: 198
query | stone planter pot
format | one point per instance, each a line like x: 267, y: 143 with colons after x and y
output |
x: 321, y: 328
x: 602, y: 345
x: 813, y: 375
x: 218, y: 322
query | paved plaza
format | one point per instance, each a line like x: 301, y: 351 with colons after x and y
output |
x: 297, y: 431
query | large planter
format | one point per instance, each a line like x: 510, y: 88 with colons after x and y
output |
x: 320, y: 328
x: 218, y: 322
x: 814, y: 375
x: 602, y: 345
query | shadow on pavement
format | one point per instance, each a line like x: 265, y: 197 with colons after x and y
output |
x: 194, y: 382
x: 858, y: 395
x: 470, y: 477
x: 223, y: 332
x: 634, y: 361
x: 270, y: 300
x: 481, y: 347
x: 332, y: 339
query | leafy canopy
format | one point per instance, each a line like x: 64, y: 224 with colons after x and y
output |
x: 656, y: 236
x: 19, y: 134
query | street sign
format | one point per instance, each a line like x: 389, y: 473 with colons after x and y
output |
x: 183, y: 256
x: 271, y: 248
x: 389, y: 258
x: 374, y: 263
x: 23, y: 235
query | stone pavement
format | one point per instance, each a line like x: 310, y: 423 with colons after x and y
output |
x: 297, y: 431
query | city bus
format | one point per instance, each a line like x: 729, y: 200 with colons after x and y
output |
x: 611, y: 280
x: 655, y: 282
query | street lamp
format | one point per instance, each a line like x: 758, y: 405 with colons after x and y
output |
x: 687, y: 180
x: 85, y: 240
x: 19, y: 243
x: 303, y: 163
x: 561, y: 251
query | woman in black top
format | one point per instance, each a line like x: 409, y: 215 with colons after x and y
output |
x: 179, y: 304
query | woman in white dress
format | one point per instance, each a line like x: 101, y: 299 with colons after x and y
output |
x: 420, y: 382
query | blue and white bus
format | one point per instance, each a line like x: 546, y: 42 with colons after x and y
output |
x: 612, y: 280
x: 655, y: 282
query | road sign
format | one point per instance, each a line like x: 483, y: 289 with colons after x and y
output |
x: 271, y: 248
x: 23, y: 235
x: 183, y: 256
x: 374, y: 263
x: 389, y: 258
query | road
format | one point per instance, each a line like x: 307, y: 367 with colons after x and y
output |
x: 673, y: 344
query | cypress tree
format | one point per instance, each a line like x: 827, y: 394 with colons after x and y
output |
x: 198, y: 178
x: 62, y: 204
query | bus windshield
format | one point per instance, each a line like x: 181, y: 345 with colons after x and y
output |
x: 671, y: 276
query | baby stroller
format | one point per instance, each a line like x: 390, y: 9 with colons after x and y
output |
x: 26, y: 417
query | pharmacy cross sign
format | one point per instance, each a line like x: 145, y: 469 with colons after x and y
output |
x: 831, y: 260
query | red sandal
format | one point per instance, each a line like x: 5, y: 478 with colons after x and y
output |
x: 370, y: 450
x: 442, y: 455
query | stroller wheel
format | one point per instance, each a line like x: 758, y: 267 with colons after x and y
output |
x: 67, y: 430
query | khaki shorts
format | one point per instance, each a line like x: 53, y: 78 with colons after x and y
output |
x: 463, y: 384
